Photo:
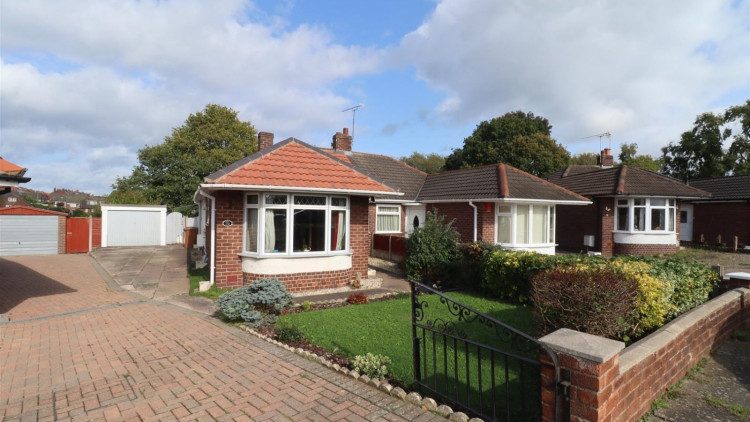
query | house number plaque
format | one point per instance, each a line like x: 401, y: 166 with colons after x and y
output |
x: 227, y: 223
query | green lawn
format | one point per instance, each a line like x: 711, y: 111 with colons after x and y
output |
x: 197, y: 275
x: 385, y: 328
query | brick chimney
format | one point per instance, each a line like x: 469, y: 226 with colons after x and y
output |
x: 606, y: 160
x: 342, y: 141
x: 265, y: 140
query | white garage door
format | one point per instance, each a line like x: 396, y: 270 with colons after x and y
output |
x: 28, y: 234
x: 133, y: 228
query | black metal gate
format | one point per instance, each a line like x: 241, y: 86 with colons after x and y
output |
x: 476, y: 362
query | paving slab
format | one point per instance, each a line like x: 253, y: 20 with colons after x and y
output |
x: 131, y: 359
x: 708, y: 394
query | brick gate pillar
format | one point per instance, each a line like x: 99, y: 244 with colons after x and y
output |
x: 593, y: 364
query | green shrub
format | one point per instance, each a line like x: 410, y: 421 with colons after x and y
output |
x: 289, y: 333
x: 306, y: 305
x: 507, y: 275
x: 599, y: 301
x: 374, y: 366
x: 688, y: 282
x: 432, y: 250
x: 256, y: 303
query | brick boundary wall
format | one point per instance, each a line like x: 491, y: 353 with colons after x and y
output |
x: 613, y: 383
x: 627, y: 249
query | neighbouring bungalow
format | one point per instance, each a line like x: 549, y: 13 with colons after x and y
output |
x: 11, y: 175
x: 635, y: 210
x: 308, y: 215
x: 722, y: 217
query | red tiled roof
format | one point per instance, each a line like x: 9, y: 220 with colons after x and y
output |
x: 295, y: 164
x: 9, y: 168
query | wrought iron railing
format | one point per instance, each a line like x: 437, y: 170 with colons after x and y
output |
x: 474, y: 361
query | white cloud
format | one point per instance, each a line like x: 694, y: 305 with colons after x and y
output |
x: 79, y: 75
x: 642, y: 70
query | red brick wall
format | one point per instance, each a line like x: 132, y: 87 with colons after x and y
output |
x: 606, y: 225
x: 605, y: 391
x: 572, y: 222
x: 230, y: 206
x: 485, y: 221
x: 727, y: 219
x: 625, y: 249
x: 463, y: 215
x: 61, y: 226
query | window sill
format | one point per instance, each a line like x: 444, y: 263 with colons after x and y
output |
x: 398, y: 232
x: 294, y: 255
x: 526, y: 245
x: 651, y: 232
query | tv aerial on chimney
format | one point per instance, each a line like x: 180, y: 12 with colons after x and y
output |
x: 600, y: 136
x: 354, y: 113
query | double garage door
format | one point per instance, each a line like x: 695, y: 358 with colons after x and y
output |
x: 28, y: 234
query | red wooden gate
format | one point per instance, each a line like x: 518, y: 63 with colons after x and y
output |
x: 77, y: 235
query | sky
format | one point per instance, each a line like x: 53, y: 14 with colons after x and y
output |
x: 85, y: 84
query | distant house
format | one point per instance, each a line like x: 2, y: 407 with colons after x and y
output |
x: 308, y: 215
x: 12, y: 198
x: 635, y: 210
x: 725, y: 215
x: 11, y: 175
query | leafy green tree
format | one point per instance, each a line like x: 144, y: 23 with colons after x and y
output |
x: 516, y: 138
x: 169, y: 173
x: 431, y: 163
x: 629, y: 157
x: 699, y: 153
x: 585, y: 159
x: 738, y: 155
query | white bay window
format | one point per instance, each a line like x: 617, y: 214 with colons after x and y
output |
x: 295, y: 225
x: 647, y: 215
x: 525, y: 225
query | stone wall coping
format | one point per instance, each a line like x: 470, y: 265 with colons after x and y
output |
x: 738, y: 275
x: 642, y: 349
x: 582, y: 345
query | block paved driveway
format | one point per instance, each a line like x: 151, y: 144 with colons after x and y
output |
x: 75, y: 348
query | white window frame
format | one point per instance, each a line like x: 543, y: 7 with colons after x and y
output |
x: 379, y: 212
x: 670, y: 204
x: 549, y: 233
x: 290, y: 208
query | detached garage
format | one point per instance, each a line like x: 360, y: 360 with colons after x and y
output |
x: 134, y: 225
x: 31, y: 231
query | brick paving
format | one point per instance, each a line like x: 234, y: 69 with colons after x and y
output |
x: 98, y: 354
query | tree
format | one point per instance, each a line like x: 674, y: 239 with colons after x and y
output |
x: 169, y: 173
x: 585, y: 159
x: 517, y: 138
x: 629, y: 157
x: 699, y: 153
x: 431, y: 163
x: 738, y: 155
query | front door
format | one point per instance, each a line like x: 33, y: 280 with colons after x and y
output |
x: 686, y: 222
x: 415, y: 215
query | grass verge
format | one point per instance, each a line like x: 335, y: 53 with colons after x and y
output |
x: 197, y: 275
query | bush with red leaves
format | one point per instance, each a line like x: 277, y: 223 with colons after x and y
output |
x: 357, y: 298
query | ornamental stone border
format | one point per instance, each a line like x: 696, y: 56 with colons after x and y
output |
x: 413, y: 397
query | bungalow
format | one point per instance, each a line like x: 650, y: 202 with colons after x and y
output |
x: 725, y: 215
x: 634, y: 213
x: 11, y: 175
x: 307, y: 215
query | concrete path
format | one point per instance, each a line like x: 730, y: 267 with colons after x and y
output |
x: 719, y: 390
x: 155, y: 272
x: 78, y: 347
